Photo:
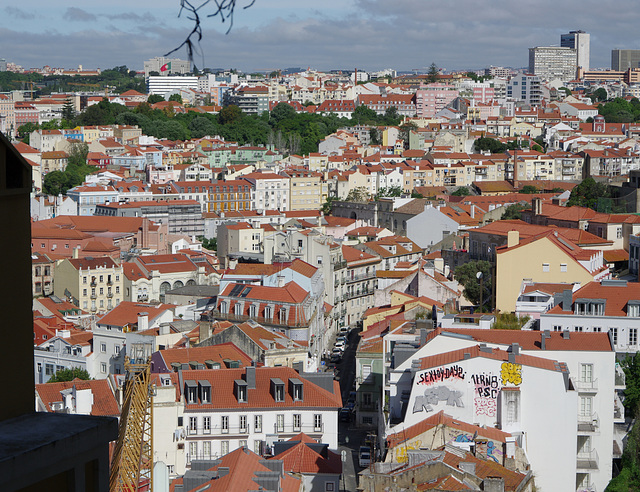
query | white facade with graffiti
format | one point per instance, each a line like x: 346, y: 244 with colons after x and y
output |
x: 590, y: 360
x: 525, y: 396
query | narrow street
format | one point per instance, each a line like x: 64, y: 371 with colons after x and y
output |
x: 350, y: 438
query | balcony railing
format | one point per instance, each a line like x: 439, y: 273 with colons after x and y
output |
x: 588, y: 423
x: 361, y: 276
x: 218, y: 430
x: 260, y: 319
x: 339, y: 265
x: 587, y: 460
x: 359, y: 293
x: 290, y: 428
x: 586, y: 386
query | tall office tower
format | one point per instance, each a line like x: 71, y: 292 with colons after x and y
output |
x: 622, y: 60
x: 549, y: 62
x: 579, y: 41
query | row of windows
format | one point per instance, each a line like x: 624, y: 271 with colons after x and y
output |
x: 101, y: 291
x: 203, y: 425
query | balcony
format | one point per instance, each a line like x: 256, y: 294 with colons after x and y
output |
x: 109, y: 294
x: 339, y: 265
x: 289, y: 428
x: 260, y: 319
x: 359, y: 293
x: 586, y: 386
x: 361, y: 276
x: 587, y: 460
x: 588, y: 424
x: 217, y: 430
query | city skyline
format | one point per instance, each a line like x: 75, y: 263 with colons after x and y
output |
x: 368, y: 34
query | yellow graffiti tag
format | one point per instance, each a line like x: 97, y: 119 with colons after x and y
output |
x: 402, y: 457
x: 511, y: 373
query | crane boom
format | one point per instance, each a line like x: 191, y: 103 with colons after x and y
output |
x: 131, y: 465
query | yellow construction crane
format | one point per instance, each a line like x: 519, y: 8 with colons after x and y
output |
x: 132, y: 461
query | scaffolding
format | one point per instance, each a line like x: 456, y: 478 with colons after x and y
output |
x: 132, y: 461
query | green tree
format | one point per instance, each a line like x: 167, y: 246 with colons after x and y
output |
x: 358, y: 194
x: 68, y: 111
x: 362, y: 115
x: 466, y: 275
x: 393, y: 191
x: 327, y: 206
x: 566, y: 90
x: 587, y: 193
x: 484, y: 144
x: 282, y: 111
x: 513, y: 212
x: 210, y: 244
x: 374, y: 136
x: 69, y: 375
x: 201, y: 127
x: 229, y: 115
x: 155, y: 98
x: 433, y: 73
x: 391, y: 116
x: 176, y: 97
x: 405, y: 132
x: 461, y: 191
x: 599, y: 94
x: 528, y: 190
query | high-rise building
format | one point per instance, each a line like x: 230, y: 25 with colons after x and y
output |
x: 166, y: 66
x: 162, y: 86
x: 525, y: 87
x: 622, y: 60
x: 579, y: 41
x: 550, y: 62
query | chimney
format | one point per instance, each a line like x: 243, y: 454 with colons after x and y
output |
x: 473, y: 211
x: 567, y: 299
x: 143, y: 321
x: 515, y: 348
x: 513, y: 239
x: 566, y: 335
x: 493, y: 484
x: 250, y: 377
x: 536, y: 205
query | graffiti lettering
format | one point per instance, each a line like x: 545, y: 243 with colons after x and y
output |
x: 440, y: 374
x: 433, y: 396
x: 511, y: 373
x: 485, y: 406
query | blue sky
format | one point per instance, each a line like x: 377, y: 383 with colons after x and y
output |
x: 368, y: 34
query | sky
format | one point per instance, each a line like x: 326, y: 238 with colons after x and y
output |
x: 330, y: 34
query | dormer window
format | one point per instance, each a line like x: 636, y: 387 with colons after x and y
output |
x: 633, y: 309
x: 205, y: 391
x: 590, y: 307
x: 253, y: 310
x: 241, y: 387
x: 297, y: 389
x: 237, y: 309
x: 277, y: 389
x: 191, y: 391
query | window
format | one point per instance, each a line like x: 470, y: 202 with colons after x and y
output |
x: 280, y: 422
x: 586, y: 406
x: 206, y: 449
x: 103, y: 348
x: 116, y: 349
x: 586, y: 373
x: 101, y: 278
x: 557, y: 327
x: 614, y: 335
x: 545, y: 267
x: 577, y: 328
x: 297, y: 418
x: 39, y: 367
x: 329, y: 487
x: 257, y: 423
x: 103, y: 368
x: 367, y: 399
x: 193, y: 425
x: 48, y: 369
x: 633, y: 309
x: 84, y: 279
x: 243, y: 423
x: 257, y: 447
x: 633, y: 336
x: 317, y: 422
x: 224, y: 424
x: 193, y: 451
x: 224, y: 447
x: 597, y: 329
x: 563, y: 267
x: 206, y: 425
x: 242, y: 443
x: 366, y: 372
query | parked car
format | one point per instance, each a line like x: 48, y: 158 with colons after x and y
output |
x: 336, y: 355
x: 341, y: 339
x: 364, y: 457
x: 344, y: 331
x: 340, y: 345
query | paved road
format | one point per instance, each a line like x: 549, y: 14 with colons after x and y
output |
x: 349, y: 437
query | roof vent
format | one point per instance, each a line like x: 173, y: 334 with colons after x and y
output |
x: 566, y: 335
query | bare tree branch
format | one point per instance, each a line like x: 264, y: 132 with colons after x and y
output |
x: 224, y: 8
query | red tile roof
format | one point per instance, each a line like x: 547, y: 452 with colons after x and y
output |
x: 126, y: 313
x: 216, y: 353
x: 104, y: 401
x: 223, y: 390
x: 616, y: 298
x: 304, y: 460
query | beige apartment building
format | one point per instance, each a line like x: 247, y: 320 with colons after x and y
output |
x: 93, y: 284
x: 305, y: 189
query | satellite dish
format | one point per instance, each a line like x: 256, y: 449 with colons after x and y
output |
x: 479, y: 275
